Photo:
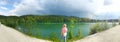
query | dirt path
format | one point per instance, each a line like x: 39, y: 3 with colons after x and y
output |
x: 8, y: 34
x: 110, y: 35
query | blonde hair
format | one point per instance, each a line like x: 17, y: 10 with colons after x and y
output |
x: 64, y: 25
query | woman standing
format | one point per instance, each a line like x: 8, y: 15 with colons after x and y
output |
x: 63, y: 32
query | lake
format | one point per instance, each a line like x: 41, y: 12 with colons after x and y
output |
x: 44, y: 30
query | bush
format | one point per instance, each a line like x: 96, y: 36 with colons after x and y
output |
x: 95, y: 28
x: 13, y: 25
x: 53, y: 37
x: 79, y: 34
x: 98, y: 27
x: 70, y: 33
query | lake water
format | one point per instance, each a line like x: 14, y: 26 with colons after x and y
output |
x: 45, y: 30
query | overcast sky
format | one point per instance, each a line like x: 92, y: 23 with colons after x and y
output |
x: 96, y: 9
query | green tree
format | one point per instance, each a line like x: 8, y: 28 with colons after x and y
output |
x: 71, y: 29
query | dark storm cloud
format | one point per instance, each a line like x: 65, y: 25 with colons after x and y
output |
x: 61, y: 8
x: 77, y: 8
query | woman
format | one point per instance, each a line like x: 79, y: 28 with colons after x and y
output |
x: 64, y: 32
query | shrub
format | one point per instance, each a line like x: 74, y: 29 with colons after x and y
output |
x: 53, y: 37
x: 70, y: 33
x: 79, y: 34
x: 98, y: 27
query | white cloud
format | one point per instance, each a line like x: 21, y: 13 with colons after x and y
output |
x: 4, y: 8
x: 111, y: 10
x: 26, y: 7
x: 2, y: 13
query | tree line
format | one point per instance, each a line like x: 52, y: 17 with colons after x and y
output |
x: 13, y: 21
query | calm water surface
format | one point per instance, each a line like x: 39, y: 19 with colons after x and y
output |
x: 44, y: 30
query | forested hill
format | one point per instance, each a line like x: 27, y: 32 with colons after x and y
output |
x: 43, y: 18
x: 14, y: 21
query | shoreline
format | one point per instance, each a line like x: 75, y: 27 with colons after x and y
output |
x: 7, y: 34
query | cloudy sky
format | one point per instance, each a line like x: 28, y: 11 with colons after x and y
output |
x: 96, y: 9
